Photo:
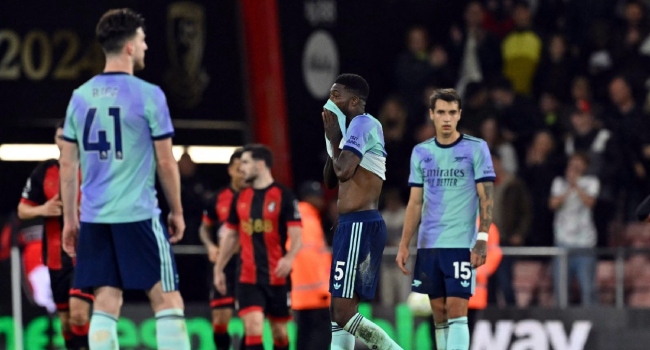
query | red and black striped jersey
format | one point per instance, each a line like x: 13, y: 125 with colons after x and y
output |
x: 42, y: 185
x: 217, y: 210
x: 262, y: 218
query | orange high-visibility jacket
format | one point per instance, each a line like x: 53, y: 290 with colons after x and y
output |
x: 479, y: 299
x: 311, y: 268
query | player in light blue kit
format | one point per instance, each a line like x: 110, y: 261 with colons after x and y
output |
x: 357, y: 164
x: 451, y: 179
x: 119, y: 130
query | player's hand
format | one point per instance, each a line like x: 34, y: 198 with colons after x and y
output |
x: 284, y: 267
x: 176, y: 226
x: 479, y: 252
x: 220, y: 281
x: 53, y: 207
x: 70, y: 234
x: 213, y: 252
x: 332, y: 127
x: 402, y: 257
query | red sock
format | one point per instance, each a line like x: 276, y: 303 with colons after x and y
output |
x: 281, y: 344
x: 253, y: 340
x: 220, y: 328
x: 80, y: 331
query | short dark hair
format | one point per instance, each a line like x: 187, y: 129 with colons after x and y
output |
x: 449, y: 95
x: 260, y: 152
x: 355, y: 84
x: 117, y: 26
x: 236, y: 155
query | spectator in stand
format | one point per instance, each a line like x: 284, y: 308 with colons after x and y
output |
x: 554, y: 116
x: 441, y: 70
x: 521, y: 50
x: 581, y: 91
x: 631, y: 127
x: 516, y: 115
x: 572, y: 198
x: 538, y: 171
x: 413, y: 67
x: 393, y: 117
x: 474, y: 48
x: 604, y: 163
x: 507, y: 155
x: 476, y: 109
x: 498, y: 17
x: 556, y: 70
x: 628, y: 39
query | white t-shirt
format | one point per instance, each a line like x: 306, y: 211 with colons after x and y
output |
x: 574, y: 223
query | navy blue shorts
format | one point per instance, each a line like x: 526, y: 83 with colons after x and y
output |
x: 134, y: 255
x: 357, y: 251
x: 444, y: 272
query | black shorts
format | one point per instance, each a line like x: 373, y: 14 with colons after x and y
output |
x: 274, y: 301
x: 226, y: 301
x: 62, y: 291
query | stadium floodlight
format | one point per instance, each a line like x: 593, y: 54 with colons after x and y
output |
x: 28, y: 152
x: 37, y: 152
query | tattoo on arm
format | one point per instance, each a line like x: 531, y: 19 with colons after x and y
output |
x: 486, y: 203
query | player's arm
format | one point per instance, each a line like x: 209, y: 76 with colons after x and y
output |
x: 344, y: 161
x: 290, y: 214
x: 228, y: 243
x: 33, y: 202
x: 208, y: 221
x: 162, y: 130
x: 412, y: 219
x: 228, y: 237
x: 485, y: 190
x: 69, y: 174
x: 204, y: 234
x: 345, y: 164
x: 413, y: 214
x: 295, y: 234
x: 69, y: 187
x: 167, y: 170
x: 484, y: 177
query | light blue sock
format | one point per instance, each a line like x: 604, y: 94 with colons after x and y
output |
x: 370, y: 334
x: 442, y: 329
x: 458, y: 338
x: 341, y: 339
x: 171, y: 332
x: 102, y: 334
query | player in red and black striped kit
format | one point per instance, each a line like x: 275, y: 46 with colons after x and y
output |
x: 40, y: 198
x: 261, y: 219
x: 214, y: 216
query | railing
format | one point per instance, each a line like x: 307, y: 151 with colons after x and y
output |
x: 619, y: 255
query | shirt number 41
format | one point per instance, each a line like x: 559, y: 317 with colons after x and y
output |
x: 100, y: 142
